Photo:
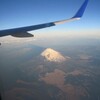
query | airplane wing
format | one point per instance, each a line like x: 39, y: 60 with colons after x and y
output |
x: 23, y: 31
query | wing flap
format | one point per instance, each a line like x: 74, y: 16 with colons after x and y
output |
x: 22, y: 35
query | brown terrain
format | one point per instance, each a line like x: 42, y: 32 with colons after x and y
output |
x: 53, y: 76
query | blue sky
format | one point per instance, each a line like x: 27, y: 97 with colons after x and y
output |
x: 17, y: 13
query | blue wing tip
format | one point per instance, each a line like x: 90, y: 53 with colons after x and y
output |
x: 80, y: 12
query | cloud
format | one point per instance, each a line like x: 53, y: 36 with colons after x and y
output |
x: 44, y: 37
x: 10, y: 39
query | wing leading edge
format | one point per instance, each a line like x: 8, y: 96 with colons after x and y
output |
x: 23, y: 31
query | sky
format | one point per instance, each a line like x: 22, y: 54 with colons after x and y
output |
x: 18, y: 13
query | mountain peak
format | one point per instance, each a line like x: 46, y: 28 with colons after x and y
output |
x: 52, y: 55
